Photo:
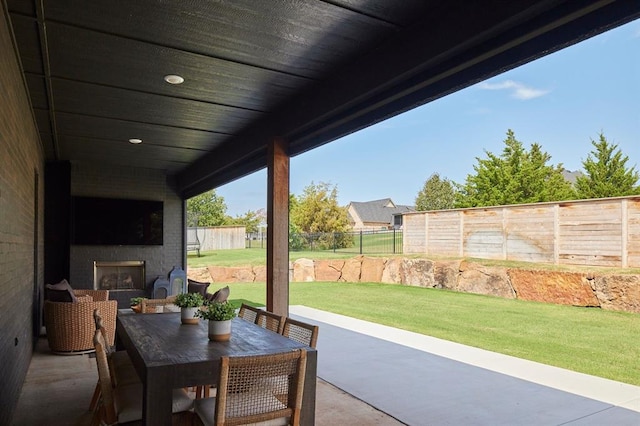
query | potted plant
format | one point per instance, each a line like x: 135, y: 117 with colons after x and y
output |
x: 135, y: 304
x: 219, y: 315
x: 189, y: 304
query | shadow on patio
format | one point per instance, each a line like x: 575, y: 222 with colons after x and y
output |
x: 58, y: 389
x: 414, y: 379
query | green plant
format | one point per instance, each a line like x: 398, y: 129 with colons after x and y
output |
x: 217, y: 311
x: 189, y: 300
x: 135, y: 301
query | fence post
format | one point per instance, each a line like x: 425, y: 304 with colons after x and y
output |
x: 334, y: 242
x: 361, y: 241
x: 394, y: 240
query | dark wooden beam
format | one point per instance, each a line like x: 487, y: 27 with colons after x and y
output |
x: 278, y: 228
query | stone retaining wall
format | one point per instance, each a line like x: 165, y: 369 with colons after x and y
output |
x: 606, y: 291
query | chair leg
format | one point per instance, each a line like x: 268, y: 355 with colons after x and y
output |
x: 96, y: 419
x: 95, y: 398
x: 203, y: 391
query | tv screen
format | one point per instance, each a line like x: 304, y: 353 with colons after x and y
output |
x: 110, y: 221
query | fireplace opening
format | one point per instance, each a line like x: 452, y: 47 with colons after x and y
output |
x: 126, y: 275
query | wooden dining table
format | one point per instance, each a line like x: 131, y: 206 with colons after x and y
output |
x: 168, y: 355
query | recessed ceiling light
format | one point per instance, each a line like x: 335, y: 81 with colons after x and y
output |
x: 135, y: 140
x: 173, y: 79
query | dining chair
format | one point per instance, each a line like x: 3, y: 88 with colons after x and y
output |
x: 123, y: 403
x: 276, y: 400
x: 148, y: 306
x: 301, y: 332
x: 248, y: 313
x: 120, y: 367
x: 270, y: 321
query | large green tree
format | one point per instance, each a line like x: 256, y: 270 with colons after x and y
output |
x: 606, y: 173
x: 517, y: 176
x: 317, y: 211
x: 207, y: 209
x: 436, y: 194
x: 251, y: 220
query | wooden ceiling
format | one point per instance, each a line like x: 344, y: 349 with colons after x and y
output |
x: 308, y: 71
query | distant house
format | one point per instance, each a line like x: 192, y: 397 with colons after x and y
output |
x: 376, y: 214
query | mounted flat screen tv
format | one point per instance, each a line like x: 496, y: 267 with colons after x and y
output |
x: 110, y: 221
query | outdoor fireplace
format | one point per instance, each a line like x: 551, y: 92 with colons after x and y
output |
x: 126, y: 275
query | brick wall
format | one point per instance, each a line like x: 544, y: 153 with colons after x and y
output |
x: 21, y: 227
x: 122, y: 182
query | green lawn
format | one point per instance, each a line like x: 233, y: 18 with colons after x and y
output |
x: 588, y: 340
x: 253, y: 257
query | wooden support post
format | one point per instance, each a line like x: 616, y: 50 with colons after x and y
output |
x: 278, y: 227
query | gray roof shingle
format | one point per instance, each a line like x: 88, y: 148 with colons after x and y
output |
x: 380, y: 211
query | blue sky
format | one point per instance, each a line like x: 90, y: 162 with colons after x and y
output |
x: 561, y: 101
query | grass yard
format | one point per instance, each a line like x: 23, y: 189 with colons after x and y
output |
x: 587, y: 340
x: 254, y: 257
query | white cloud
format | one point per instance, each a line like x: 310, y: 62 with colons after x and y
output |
x: 518, y: 90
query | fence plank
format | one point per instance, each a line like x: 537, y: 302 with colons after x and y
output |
x: 601, y: 232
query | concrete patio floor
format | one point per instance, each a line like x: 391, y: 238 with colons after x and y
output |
x: 421, y: 380
x: 58, y: 389
x: 370, y: 374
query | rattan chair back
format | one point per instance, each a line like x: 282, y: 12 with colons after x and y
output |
x: 149, y: 306
x: 301, y: 332
x: 248, y: 313
x: 240, y: 400
x: 270, y: 321
x: 105, y: 412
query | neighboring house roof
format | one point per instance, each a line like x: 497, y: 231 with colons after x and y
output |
x: 378, y: 211
x: 571, y: 176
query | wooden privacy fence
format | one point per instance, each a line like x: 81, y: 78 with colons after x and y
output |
x: 597, y: 232
x: 217, y: 237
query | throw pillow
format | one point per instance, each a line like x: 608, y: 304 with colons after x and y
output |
x: 197, y: 287
x: 60, y: 292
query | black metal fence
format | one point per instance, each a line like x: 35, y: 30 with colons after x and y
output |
x: 360, y: 242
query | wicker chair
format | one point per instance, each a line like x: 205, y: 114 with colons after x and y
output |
x: 70, y: 325
x: 257, y: 388
x: 120, y: 367
x: 150, y: 306
x: 123, y: 403
x: 270, y: 321
x: 248, y: 313
x: 301, y: 332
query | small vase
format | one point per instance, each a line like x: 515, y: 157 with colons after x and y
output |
x: 219, y: 331
x: 188, y: 315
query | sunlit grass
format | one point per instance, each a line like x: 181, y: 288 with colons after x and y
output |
x: 588, y: 340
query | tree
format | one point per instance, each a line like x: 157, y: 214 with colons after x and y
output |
x: 517, y: 176
x: 251, y: 220
x: 317, y: 211
x: 436, y: 194
x: 606, y: 174
x: 206, y: 209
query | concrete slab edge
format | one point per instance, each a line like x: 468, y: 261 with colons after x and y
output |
x: 608, y: 391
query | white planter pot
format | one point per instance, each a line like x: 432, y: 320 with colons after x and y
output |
x: 219, y: 331
x: 188, y: 315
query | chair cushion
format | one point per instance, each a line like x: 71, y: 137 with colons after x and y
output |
x: 205, y: 408
x: 128, y: 402
x: 60, y: 292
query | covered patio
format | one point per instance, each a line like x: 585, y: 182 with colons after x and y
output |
x: 156, y: 101
x: 423, y: 381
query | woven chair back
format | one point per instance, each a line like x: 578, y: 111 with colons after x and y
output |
x: 301, y: 332
x: 248, y: 313
x: 260, y: 388
x: 270, y: 321
x: 106, y: 408
x: 148, y: 306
